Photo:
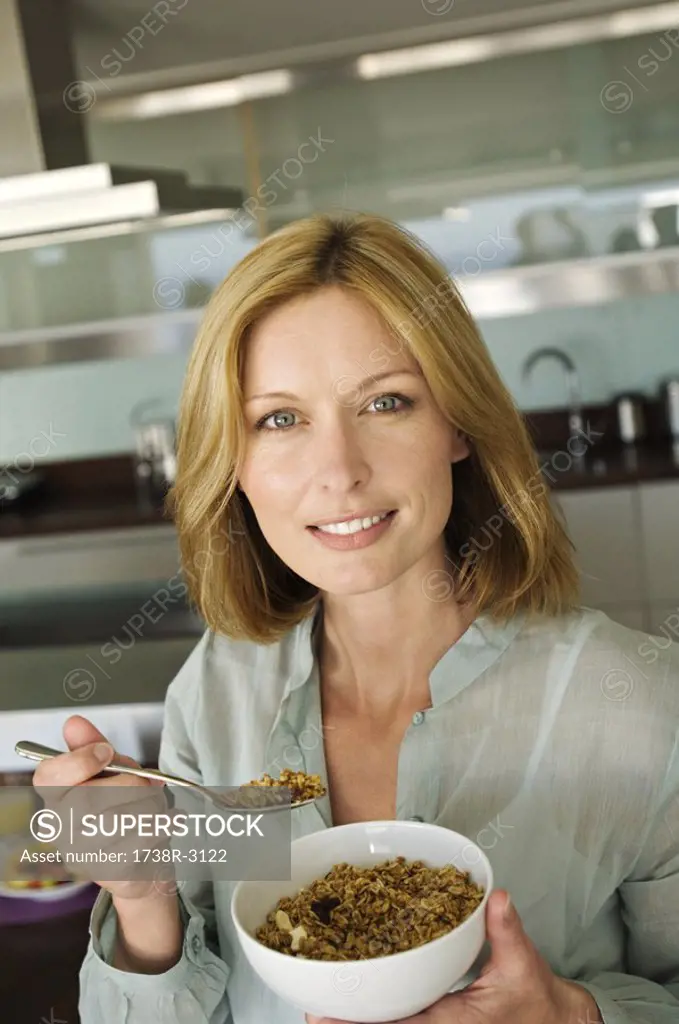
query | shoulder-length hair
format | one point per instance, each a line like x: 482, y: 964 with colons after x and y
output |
x: 507, y: 550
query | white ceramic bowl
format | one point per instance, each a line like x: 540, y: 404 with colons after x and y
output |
x: 368, y: 990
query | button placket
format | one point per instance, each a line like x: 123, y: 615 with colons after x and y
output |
x: 418, y: 719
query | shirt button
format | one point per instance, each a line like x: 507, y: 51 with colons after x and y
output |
x: 418, y: 718
x: 415, y: 817
x: 196, y: 945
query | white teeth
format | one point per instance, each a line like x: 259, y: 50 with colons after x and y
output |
x: 353, y: 525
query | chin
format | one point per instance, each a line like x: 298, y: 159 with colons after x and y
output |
x: 353, y: 582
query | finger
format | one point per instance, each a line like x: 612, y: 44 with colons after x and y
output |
x: 116, y: 791
x: 511, y: 951
x: 120, y: 780
x: 114, y: 834
x: 325, y: 1020
x: 78, y: 732
x: 335, y: 1020
x: 500, y: 913
x: 417, y: 1019
x: 74, y: 767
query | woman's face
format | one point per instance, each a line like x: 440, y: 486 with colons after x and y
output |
x: 341, y: 429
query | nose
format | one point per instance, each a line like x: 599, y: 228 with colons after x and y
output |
x: 340, y: 463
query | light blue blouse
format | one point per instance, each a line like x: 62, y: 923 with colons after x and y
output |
x: 553, y: 743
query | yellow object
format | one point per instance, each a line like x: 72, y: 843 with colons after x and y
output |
x: 17, y: 804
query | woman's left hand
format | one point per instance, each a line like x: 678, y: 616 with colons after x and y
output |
x: 515, y: 984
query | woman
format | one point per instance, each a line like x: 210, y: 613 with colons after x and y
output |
x: 391, y: 602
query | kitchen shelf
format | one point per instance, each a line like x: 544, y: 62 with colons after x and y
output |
x: 515, y: 291
x: 156, y: 334
x: 141, y: 226
x: 518, y: 291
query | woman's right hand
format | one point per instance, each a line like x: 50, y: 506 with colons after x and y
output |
x: 115, y: 793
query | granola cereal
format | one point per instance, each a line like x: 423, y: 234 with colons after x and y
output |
x: 266, y: 791
x: 302, y: 786
x: 353, y: 913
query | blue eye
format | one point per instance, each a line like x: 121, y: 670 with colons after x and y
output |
x: 382, y: 403
x: 276, y: 417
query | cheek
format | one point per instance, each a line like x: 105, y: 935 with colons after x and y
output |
x: 271, y: 480
x: 430, y: 477
x: 428, y: 461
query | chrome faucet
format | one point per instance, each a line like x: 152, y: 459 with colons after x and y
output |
x: 576, y: 423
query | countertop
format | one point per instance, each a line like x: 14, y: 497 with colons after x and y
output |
x: 82, y: 494
x: 99, y: 512
x: 78, y: 619
x: 610, y: 466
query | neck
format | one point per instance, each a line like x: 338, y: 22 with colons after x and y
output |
x: 377, y: 650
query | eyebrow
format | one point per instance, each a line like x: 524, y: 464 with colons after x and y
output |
x: 373, y: 377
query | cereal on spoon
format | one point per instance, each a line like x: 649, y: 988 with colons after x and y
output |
x: 302, y: 787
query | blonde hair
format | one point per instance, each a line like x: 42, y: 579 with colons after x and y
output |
x: 236, y: 581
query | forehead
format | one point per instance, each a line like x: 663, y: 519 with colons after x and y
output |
x: 320, y: 334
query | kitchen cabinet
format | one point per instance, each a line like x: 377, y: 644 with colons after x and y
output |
x: 660, y: 539
x: 604, y: 526
x: 94, y: 558
x: 79, y: 676
x: 627, y: 550
x: 90, y: 619
x: 631, y: 615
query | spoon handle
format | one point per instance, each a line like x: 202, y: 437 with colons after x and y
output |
x: 39, y: 752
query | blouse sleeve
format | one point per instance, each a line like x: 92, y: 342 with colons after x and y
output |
x: 194, y: 990
x: 649, y: 900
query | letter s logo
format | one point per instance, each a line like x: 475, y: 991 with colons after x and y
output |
x: 45, y: 826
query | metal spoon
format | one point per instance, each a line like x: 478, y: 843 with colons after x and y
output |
x: 38, y: 752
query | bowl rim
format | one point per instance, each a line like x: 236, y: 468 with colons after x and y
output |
x: 325, y: 964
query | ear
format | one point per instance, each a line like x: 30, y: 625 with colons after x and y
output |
x: 459, y: 446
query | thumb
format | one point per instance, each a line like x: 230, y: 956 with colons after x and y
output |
x: 510, y: 947
x: 80, y: 732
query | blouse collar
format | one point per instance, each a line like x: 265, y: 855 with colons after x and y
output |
x: 481, y: 645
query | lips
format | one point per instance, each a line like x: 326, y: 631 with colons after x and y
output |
x: 352, y: 535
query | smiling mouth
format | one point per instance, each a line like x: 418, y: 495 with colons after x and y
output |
x: 349, y: 526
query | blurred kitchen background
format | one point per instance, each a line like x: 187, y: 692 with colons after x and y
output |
x: 145, y: 147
